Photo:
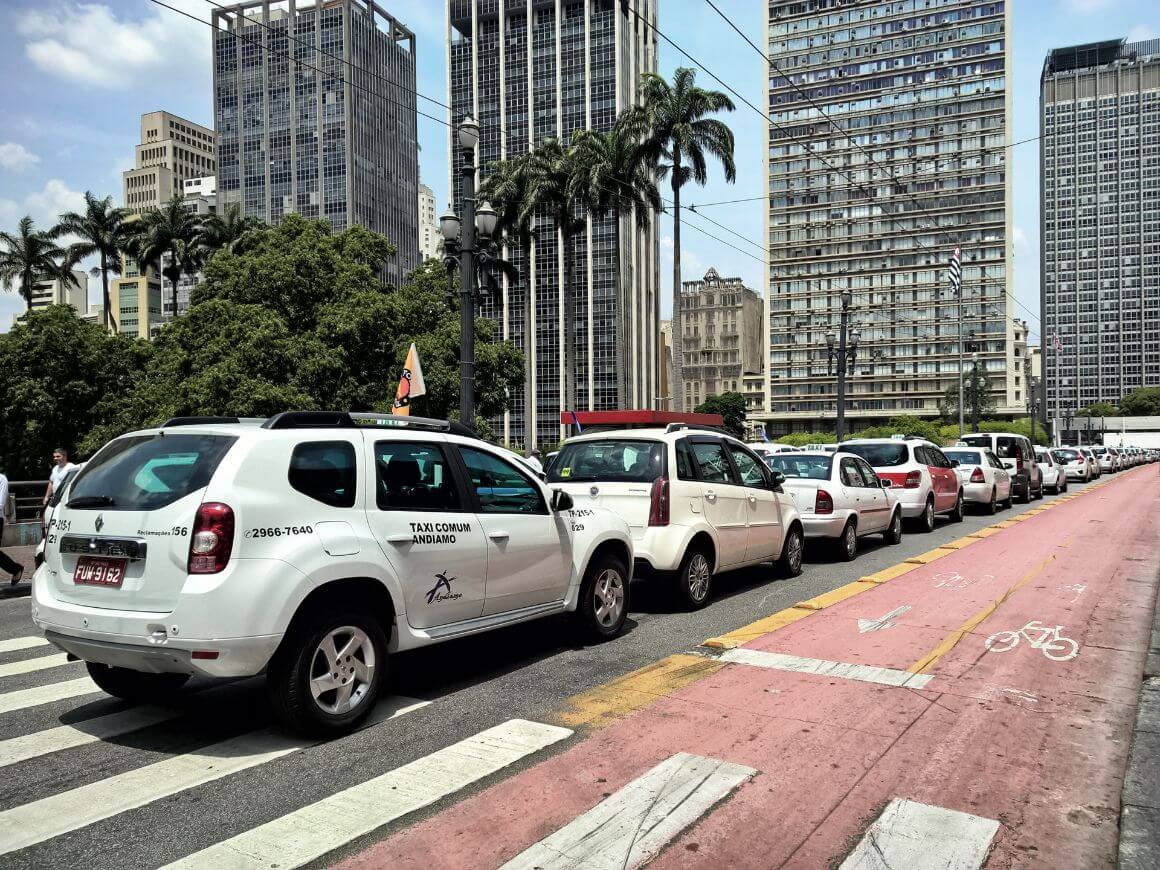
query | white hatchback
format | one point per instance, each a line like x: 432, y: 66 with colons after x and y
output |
x: 698, y: 502
x: 984, y: 478
x: 1074, y: 463
x: 1054, y: 474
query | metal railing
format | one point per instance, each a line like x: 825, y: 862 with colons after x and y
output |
x: 29, y: 498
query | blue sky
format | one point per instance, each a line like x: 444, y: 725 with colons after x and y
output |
x: 78, y: 75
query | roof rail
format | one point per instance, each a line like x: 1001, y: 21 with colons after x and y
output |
x: 362, y: 420
x: 196, y: 421
x: 677, y: 427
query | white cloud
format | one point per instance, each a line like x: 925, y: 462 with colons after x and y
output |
x: 15, y: 157
x: 44, y: 206
x: 88, y: 43
x: 1141, y: 32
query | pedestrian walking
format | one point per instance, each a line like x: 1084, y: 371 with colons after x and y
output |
x: 60, y: 470
x: 8, y: 565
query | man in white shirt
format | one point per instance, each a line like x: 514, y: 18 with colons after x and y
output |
x: 7, y: 564
x: 533, y: 459
x: 60, y: 469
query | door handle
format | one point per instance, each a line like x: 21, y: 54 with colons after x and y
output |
x: 399, y: 539
x: 498, y: 535
x: 753, y: 498
x: 711, y: 496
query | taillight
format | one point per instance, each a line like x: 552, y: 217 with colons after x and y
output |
x: 977, y: 476
x: 823, y: 503
x: 212, y: 538
x: 913, y: 479
x: 658, y: 507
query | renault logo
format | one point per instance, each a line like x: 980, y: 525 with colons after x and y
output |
x: 100, y: 523
x: 594, y: 491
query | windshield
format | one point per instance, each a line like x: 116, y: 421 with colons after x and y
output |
x: 146, y: 472
x: 802, y: 465
x: 612, y: 460
x: 1099, y: 451
x: 1066, y: 455
x: 880, y: 455
x: 965, y: 457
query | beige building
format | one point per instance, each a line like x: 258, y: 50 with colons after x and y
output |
x: 722, y: 336
x: 664, y: 399
x: 430, y: 240
x: 56, y: 292
x: 172, y: 151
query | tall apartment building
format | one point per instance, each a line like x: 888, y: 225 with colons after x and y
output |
x: 314, y: 104
x: 172, y: 150
x: 722, y: 337
x: 531, y: 69
x: 922, y: 90
x: 430, y: 240
x: 57, y: 292
x: 1100, y: 222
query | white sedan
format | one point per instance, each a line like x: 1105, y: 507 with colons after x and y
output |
x: 839, y: 497
x: 1054, y: 474
x: 985, y: 481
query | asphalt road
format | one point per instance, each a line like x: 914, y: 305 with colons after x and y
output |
x: 525, y: 672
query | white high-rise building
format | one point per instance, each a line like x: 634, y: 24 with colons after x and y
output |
x: 57, y: 292
x: 430, y: 241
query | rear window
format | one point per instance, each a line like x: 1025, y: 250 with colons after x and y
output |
x: 325, y: 471
x: 1099, y: 451
x: 146, y: 472
x: 880, y: 455
x: 809, y: 467
x: 613, y: 460
x: 1067, y: 455
x: 978, y: 441
x: 965, y: 457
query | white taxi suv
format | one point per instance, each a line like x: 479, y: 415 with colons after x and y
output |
x: 923, y: 477
x: 985, y: 480
x: 840, y: 498
x: 311, y: 546
x: 698, y: 502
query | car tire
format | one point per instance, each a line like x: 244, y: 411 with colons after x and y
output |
x: 136, y: 686
x: 1025, y: 497
x: 1010, y: 502
x: 328, y: 712
x: 993, y: 505
x: 792, y: 549
x: 603, y: 605
x: 1038, y: 494
x: 925, y: 522
x: 695, y: 579
x: 956, y: 515
x: 893, y: 533
x: 847, y: 545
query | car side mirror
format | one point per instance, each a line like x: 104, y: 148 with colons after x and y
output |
x: 954, y: 463
x: 776, y: 478
x: 884, y: 483
x: 561, y: 501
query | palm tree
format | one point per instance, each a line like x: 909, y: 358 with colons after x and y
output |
x: 170, y: 235
x: 557, y: 184
x: 225, y: 231
x: 28, y: 256
x: 678, y: 138
x: 508, y: 189
x: 618, y: 179
x: 102, y: 231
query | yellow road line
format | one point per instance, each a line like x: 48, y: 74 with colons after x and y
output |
x: 951, y: 640
x: 889, y: 573
x: 958, y: 544
x: 929, y: 556
x: 603, y: 705
x: 765, y: 625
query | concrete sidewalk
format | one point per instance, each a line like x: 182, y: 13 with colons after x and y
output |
x: 974, y: 705
x: 25, y: 556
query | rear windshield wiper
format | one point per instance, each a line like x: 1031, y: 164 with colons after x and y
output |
x: 83, y: 501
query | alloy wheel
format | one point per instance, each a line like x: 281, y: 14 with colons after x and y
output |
x: 794, y: 551
x: 609, y: 593
x: 698, y: 577
x: 342, y: 669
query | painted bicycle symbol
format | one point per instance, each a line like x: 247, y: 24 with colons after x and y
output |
x: 954, y: 580
x: 1050, y: 640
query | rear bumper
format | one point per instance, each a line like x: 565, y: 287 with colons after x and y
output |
x: 237, y: 657
x: 824, y: 526
x: 978, y: 493
x: 1076, y: 473
x: 912, y: 501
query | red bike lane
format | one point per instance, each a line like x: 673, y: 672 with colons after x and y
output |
x: 977, y: 708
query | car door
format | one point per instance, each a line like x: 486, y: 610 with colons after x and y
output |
x: 529, y: 547
x: 426, y: 527
x: 763, y: 541
x: 946, y: 479
x: 1001, y: 474
x: 723, y: 498
x: 850, y: 486
x: 874, y: 508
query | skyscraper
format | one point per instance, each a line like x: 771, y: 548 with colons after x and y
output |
x: 527, y: 70
x: 1100, y: 222
x: 430, y: 241
x: 314, y: 104
x: 923, y: 95
x: 722, y: 337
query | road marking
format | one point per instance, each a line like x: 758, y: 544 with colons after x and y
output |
x: 824, y: 668
x: 630, y: 828
x: 35, y: 822
x: 1077, y: 588
x: 835, y: 596
x: 758, y: 628
x: 885, y: 621
x: 53, y: 692
x: 889, y: 573
x: 616, y: 699
x: 1051, y: 641
x: 27, y: 666
x: 930, y: 556
x: 17, y: 749
x: 955, y: 580
x: 315, y: 830
x: 951, y: 640
x: 17, y: 643
x: 922, y: 837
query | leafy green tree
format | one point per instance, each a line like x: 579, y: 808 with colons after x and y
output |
x: 1144, y: 402
x: 102, y: 231
x: 62, y: 378
x: 29, y: 256
x: 731, y: 406
x: 168, y: 236
x: 801, y: 439
x: 1099, y: 409
x: 226, y: 230
x: 679, y: 137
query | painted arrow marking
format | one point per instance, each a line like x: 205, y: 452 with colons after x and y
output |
x: 865, y: 625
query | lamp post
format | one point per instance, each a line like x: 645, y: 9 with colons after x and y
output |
x: 461, y: 248
x: 975, y: 399
x: 1066, y: 410
x: 844, y: 355
x: 1032, y: 403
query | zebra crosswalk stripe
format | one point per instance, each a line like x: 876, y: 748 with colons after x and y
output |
x: 315, y: 830
x: 18, y: 643
x: 27, y: 666
x: 40, y: 820
x: 53, y: 692
x: 16, y: 749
